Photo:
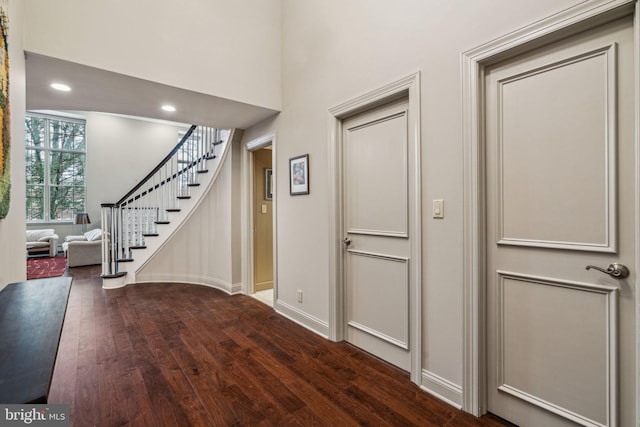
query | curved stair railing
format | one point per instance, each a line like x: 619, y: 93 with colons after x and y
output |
x: 127, y: 223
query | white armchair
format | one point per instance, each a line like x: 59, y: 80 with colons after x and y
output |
x: 83, y: 250
x: 43, y: 241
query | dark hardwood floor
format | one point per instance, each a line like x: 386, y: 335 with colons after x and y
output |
x: 185, y: 355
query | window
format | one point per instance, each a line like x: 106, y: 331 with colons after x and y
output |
x: 55, y: 157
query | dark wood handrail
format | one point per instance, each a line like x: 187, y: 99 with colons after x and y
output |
x: 160, y: 184
x: 157, y: 168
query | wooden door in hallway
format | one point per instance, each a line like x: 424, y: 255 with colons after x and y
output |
x: 376, y: 221
x: 262, y: 220
x: 560, y: 162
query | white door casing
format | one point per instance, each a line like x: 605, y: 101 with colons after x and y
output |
x: 598, y: 293
x: 407, y: 88
x: 247, y: 213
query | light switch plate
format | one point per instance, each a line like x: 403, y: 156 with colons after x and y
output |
x: 264, y: 208
x: 438, y: 208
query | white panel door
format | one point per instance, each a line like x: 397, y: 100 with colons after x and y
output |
x: 376, y: 221
x: 560, y: 197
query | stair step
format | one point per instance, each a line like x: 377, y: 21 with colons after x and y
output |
x: 150, y: 234
x: 161, y: 222
x: 125, y: 260
x: 173, y: 210
x: 184, y: 197
x: 138, y: 247
x: 211, y: 157
x: 193, y: 184
x: 203, y: 171
x: 113, y: 276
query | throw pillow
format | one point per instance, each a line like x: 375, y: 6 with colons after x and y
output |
x: 95, y: 234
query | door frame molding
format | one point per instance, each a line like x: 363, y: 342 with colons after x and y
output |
x: 406, y: 87
x: 561, y: 25
x: 247, y: 212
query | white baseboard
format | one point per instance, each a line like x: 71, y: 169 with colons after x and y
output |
x: 211, y: 282
x: 312, y: 323
x: 237, y: 288
x: 442, y: 389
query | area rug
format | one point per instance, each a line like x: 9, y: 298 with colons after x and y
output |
x: 38, y: 268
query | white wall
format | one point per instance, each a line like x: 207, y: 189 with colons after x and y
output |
x: 12, y: 228
x: 229, y: 49
x: 120, y: 152
x: 335, y: 50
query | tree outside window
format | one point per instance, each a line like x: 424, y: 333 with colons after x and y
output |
x: 55, y: 157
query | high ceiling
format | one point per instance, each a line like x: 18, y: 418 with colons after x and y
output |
x: 104, y: 91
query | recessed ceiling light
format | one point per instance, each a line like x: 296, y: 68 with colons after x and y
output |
x: 61, y: 87
x: 169, y: 108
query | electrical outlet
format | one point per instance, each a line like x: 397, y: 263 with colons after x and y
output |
x: 299, y: 296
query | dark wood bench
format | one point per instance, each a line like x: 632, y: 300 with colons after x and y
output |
x: 31, y: 317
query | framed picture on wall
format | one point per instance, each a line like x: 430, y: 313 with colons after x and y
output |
x: 299, y: 175
x: 268, y: 184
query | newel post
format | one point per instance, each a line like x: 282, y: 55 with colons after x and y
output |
x: 109, y: 241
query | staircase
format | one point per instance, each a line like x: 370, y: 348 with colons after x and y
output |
x: 150, y: 213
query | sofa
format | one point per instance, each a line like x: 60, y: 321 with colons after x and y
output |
x: 85, y: 249
x: 42, y: 242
